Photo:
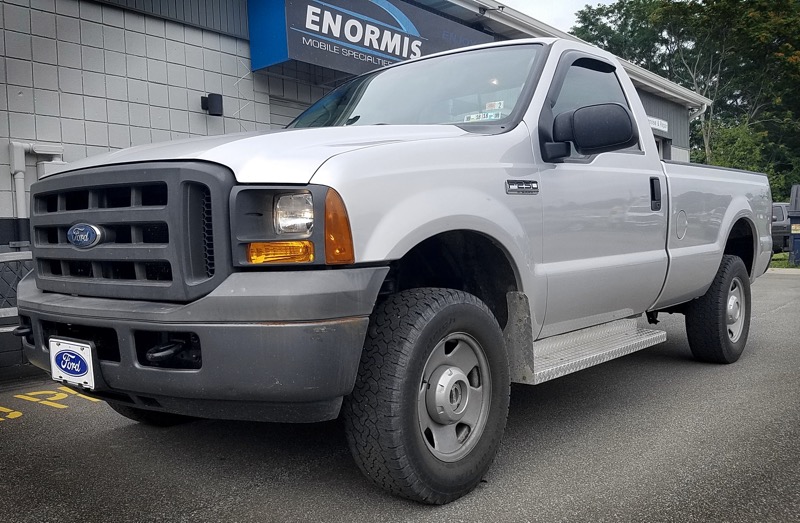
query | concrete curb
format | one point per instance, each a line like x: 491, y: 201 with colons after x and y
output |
x: 795, y: 272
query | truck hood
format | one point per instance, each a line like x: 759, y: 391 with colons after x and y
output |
x: 285, y: 156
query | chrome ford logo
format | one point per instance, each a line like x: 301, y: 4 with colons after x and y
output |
x: 83, y: 235
x: 72, y: 363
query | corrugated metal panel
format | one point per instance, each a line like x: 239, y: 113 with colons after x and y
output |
x: 677, y: 116
x: 222, y: 16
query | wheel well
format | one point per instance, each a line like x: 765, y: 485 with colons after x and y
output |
x: 462, y: 260
x: 741, y: 243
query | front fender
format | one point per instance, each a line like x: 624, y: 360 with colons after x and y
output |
x: 420, y: 216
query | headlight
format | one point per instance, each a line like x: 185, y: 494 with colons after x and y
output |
x: 283, y: 225
x: 294, y: 214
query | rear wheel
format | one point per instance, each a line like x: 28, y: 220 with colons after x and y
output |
x: 718, y: 323
x: 150, y: 417
x: 430, y: 402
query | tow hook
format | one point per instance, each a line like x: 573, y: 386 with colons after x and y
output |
x: 164, y: 352
x: 22, y: 331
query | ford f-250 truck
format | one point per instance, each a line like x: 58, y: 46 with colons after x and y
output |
x: 413, y: 243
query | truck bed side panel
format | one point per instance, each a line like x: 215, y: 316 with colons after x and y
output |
x: 705, y: 203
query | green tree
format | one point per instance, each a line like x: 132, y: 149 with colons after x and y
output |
x: 625, y: 28
x: 742, y: 54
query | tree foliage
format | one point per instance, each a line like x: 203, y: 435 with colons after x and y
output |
x: 742, y: 54
x: 625, y: 29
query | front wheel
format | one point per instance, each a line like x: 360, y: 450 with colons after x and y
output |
x: 717, y: 323
x: 430, y: 402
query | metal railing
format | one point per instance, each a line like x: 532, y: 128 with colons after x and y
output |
x: 13, y: 267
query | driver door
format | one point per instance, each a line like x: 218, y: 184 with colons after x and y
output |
x: 604, y: 240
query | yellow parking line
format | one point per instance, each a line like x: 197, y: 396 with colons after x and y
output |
x: 10, y: 414
x: 49, y: 401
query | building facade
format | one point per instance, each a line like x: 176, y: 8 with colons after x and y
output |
x: 83, y: 77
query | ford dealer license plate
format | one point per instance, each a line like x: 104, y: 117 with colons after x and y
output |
x: 71, y: 361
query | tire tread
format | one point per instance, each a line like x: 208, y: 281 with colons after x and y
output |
x: 705, y: 325
x: 375, y: 438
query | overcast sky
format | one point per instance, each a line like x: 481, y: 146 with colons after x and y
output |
x: 558, y: 13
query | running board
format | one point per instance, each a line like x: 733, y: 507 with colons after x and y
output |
x: 567, y: 353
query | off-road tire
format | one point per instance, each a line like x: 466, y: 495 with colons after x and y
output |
x: 712, y: 335
x: 384, y: 416
x: 150, y: 417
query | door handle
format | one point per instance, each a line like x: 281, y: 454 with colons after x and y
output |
x: 655, y: 194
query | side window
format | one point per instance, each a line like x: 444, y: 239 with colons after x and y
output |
x: 583, y: 86
x: 777, y: 212
x: 589, y: 82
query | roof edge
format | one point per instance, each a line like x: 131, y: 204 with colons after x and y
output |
x: 640, y: 76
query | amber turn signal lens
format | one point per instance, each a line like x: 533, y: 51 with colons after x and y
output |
x: 281, y: 252
x: 338, y: 238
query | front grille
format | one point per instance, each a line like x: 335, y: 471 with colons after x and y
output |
x: 152, y: 197
x: 156, y: 222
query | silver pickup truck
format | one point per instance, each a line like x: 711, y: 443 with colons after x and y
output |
x: 411, y: 245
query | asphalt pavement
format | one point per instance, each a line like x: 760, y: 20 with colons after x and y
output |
x: 654, y: 436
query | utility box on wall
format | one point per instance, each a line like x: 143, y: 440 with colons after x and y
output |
x: 45, y: 169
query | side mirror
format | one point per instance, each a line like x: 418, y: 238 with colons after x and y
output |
x: 593, y: 129
x: 774, y: 218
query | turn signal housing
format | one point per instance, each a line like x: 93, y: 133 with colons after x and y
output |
x: 300, y: 251
x: 338, y: 236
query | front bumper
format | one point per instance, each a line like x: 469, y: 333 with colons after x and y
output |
x: 275, y: 346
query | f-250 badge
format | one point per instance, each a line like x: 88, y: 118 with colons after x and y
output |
x: 522, y: 187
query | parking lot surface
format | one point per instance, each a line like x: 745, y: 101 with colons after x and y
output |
x: 654, y: 436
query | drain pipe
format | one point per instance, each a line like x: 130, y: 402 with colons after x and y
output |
x: 18, y: 151
x: 697, y: 112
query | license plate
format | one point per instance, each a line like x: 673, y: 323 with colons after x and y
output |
x: 71, y: 361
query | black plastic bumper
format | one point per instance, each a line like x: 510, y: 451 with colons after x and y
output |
x: 273, y: 346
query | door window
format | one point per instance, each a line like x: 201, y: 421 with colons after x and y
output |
x: 589, y: 82
x: 586, y: 86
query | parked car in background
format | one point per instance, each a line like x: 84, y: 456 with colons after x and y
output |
x: 780, y: 227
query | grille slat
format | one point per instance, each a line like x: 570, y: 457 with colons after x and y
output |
x: 108, y: 216
x: 157, y: 230
x: 106, y: 252
x: 208, y: 235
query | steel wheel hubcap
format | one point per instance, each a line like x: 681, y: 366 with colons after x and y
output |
x: 448, y: 395
x: 735, y: 310
x: 454, y: 397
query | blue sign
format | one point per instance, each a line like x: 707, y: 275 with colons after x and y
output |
x: 83, y: 235
x: 353, y: 36
x: 71, y: 363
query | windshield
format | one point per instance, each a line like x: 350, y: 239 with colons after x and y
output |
x: 473, y: 87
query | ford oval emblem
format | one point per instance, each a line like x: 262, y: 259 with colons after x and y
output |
x: 84, y: 236
x: 71, y: 363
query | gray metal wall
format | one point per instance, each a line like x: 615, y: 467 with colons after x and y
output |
x: 223, y: 16
x: 676, y: 114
